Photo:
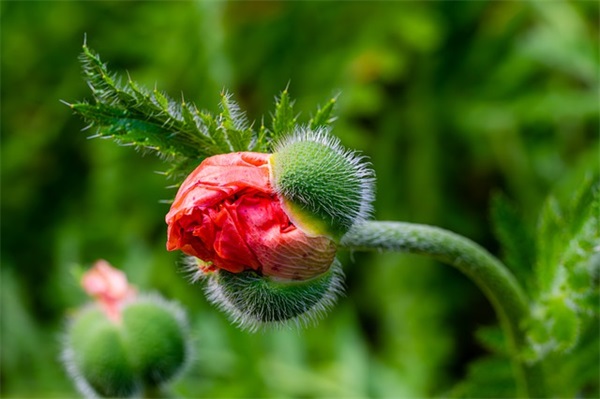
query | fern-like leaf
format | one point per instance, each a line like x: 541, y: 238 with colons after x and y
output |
x: 323, y: 117
x: 177, y: 130
x: 488, y: 377
x: 562, y: 330
x: 284, y: 118
x: 568, y: 268
x: 516, y: 240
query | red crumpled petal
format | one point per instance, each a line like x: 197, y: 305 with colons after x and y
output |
x: 222, y: 176
x: 227, y: 214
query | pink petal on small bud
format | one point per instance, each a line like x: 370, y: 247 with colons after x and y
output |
x: 109, y: 287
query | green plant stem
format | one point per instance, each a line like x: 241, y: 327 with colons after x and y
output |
x: 493, y: 278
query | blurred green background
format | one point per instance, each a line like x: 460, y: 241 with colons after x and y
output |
x: 452, y: 101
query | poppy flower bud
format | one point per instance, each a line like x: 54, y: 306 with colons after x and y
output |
x: 264, y: 227
x: 123, y: 342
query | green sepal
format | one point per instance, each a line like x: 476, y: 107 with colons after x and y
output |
x: 325, y: 189
x: 254, y: 301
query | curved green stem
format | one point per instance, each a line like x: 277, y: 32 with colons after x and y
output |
x: 494, y: 279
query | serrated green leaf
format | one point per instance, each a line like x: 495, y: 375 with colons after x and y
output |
x: 577, y: 265
x: 568, y: 265
x: 139, y: 93
x: 565, y: 325
x: 284, y: 118
x: 188, y: 114
x: 261, y: 143
x: 489, y: 377
x: 131, y: 115
x: 323, y: 116
x: 161, y: 100
x: 551, y: 228
x: 585, y: 203
x: 149, y: 119
x: 575, y: 373
x: 233, y: 123
x: 516, y: 240
x: 214, y: 133
x: 240, y: 140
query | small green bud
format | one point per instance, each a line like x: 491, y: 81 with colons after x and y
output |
x: 325, y: 188
x: 146, y: 347
x: 155, y: 339
x: 97, y: 358
x: 253, y: 301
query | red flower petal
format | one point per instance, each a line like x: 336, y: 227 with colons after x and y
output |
x: 227, y: 214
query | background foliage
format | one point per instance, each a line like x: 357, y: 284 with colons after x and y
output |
x: 452, y: 102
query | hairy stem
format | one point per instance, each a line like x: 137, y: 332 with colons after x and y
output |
x: 493, y: 278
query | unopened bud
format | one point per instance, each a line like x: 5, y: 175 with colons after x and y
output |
x: 123, y: 343
x: 325, y: 188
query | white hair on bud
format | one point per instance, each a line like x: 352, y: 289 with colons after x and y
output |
x: 67, y: 357
x: 177, y: 311
x: 359, y: 209
x: 314, y: 301
x: 172, y: 307
x: 191, y: 269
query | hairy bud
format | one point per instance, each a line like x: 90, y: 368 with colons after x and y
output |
x: 264, y: 227
x: 118, y: 348
x: 325, y: 188
x: 253, y: 301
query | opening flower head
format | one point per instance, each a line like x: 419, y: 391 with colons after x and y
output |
x: 265, y: 227
x: 227, y: 214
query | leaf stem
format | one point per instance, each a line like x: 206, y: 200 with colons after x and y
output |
x: 493, y: 278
